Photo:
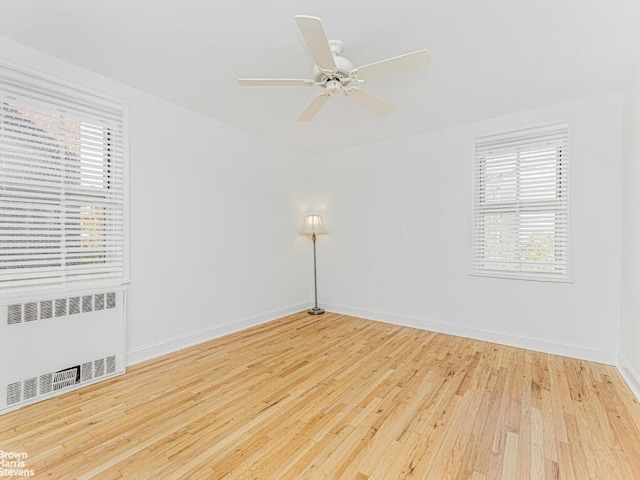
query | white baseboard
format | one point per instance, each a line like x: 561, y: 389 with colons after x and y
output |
x: 156, y: 349
x: 629, y: 374
x: 504, y: 338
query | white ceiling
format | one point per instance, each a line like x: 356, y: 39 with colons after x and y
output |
x: 489, y: 58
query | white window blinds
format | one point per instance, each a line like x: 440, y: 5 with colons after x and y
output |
x: 521, y: 204
x: 61, y: 183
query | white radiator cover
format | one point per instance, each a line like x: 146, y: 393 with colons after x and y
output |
x: 43, y: 338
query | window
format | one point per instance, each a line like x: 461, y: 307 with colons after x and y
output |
x: 62, y: 205
x: 521, y: 204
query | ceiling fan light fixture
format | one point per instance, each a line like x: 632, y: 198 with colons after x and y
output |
x: 333, y: 86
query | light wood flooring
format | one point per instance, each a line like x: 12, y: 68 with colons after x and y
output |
x: 337, y: 397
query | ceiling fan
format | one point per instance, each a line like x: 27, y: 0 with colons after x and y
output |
x: 336, y: 74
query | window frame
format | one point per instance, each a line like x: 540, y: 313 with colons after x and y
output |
x: 475, y: 259
x: 47, y: 87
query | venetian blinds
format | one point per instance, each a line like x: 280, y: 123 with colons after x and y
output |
x: 62, y: 183
x: 521, y: 204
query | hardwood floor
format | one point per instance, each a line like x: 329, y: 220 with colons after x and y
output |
x: 337, y: 397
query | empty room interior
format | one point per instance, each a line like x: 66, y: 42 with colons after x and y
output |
x: 311, y: 240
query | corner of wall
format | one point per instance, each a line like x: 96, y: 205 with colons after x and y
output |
x: 629, y: 375
x: 629, y: 360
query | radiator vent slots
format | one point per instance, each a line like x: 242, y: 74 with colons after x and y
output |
x: 46, y: 383
x: 99, y: 301
x: 111, y: 364
x: 87, y: 303
x: 14, y: 392
x: 74, y: 305
x: 86, y: 372
x: 46, y: 309
x: 98, y: 366
x: 14, y: 314
x: 60, y: 307
x: 30, y: 311
x: 51, y: 382
x: 111, y: 300
x: 31, y: 388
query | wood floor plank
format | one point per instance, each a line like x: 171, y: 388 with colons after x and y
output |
x: 338, y: 397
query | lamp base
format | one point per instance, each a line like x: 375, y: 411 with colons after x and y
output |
x: 315, y: 311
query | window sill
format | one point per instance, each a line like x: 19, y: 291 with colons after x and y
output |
x: 517, y: 276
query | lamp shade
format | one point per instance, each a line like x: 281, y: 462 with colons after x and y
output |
x: 313, y: 225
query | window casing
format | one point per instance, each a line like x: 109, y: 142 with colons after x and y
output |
x: 62, y: 184
x: 521, y: 204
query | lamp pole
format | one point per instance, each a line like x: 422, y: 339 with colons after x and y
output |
x: 315, y: 310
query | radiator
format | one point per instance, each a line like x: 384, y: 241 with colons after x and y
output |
x: 49, y: 346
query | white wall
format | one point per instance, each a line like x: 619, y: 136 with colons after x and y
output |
x: 630, y: 326
x: 398, y: 215
x: 214, y: 232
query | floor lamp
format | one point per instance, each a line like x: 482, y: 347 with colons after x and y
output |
x: 313, y: 226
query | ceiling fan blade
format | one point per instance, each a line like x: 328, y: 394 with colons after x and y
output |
x: 370, y: 102
x: 393, y: 66
x: 275, y: 82
x: 316, y: 40
x: 314, y: 107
